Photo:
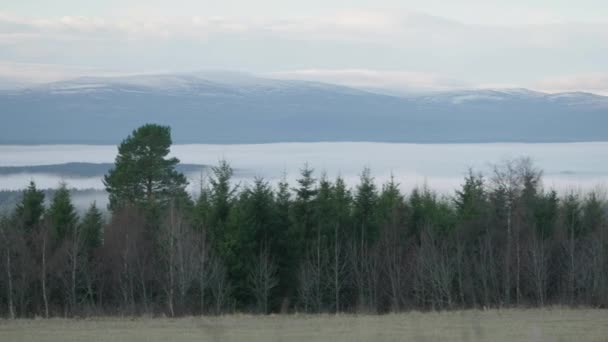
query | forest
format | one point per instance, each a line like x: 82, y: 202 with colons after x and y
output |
x: 314, y: 246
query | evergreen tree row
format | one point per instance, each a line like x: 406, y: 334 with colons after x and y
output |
x: 317, y: 245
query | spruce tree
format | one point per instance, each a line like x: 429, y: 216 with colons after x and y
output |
x: 30, y: 209
x: 303, y: 210
x: 390, y: 201
x: 365, y: 205
x: 222, y: 193
x: 62, y: 214
x: 469, y: 200
x: 91, y: 227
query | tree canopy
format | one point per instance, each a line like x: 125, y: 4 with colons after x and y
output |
x: 143, y: 175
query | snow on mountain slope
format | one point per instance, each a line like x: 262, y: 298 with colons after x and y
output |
x: 238, y: 107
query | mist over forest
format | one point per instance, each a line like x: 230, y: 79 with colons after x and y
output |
x: 314, y: 244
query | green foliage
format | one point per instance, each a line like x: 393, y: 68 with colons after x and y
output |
x: 30, y: 210
x: 430, y: 212
x: 324, y: 208
x: 593, y: 213
x: 303, y: 225
x: 283, y: 205
x: 572, y: 212
x: 342, y: 199
x: 282, y: 254
x: 470, y: 201
x: 252, y: 231
x: 258, y: 207
x: 472, y: 206
x: 222, y: 193
x: 391, y: 202
x: 91, y: 228
x: 62, y: 214
x: 546, y: 214
x: 305, y: 195
x: 142, y: 174
x: 222, y: 197
x: 364, y: 208
x: 320, y: 243
x: 202, y: 210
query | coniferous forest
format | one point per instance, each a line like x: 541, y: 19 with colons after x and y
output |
x: 316, y: 245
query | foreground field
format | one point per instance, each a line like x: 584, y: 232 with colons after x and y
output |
x: 493, y: 325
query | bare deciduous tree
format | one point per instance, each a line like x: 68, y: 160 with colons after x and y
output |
x: 263, y: 279
x: 219, y: 285
x: 8, y: 239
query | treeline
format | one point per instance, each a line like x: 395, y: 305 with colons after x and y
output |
x: 313, y: 246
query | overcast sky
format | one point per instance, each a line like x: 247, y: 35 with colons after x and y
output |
x: 555, y: 45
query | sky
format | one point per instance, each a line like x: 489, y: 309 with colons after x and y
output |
x: 408, y: 45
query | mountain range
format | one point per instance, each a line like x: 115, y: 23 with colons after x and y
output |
x: 240, y: 108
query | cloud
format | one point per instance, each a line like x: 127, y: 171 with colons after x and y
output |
x: 347, y: 25
x: 592, y: 83
x: 27, y: 73
x: 336, y: 25
x: 348, y: 47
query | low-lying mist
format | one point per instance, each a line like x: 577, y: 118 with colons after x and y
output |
x: 441, y: 167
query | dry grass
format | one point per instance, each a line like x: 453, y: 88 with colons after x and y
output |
x: 555, y: 324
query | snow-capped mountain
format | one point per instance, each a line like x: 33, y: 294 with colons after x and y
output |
x: 224, y: 107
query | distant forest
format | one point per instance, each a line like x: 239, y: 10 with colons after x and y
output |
x: 317, y: 245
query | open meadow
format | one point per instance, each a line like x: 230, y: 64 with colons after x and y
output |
x: 556, y: 324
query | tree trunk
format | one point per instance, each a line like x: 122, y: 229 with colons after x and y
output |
x: 11, y: 308
x: 336, y: 269
x: 144, y: 290
x: 318, y: 299
x: 362, y: 275
x: 74, y: 264
x: 517, y: 271
x: 203, y: 268
x: 171, y: 237
x: 571, y: 287
x: 507, y: 285
x: 43, y: 277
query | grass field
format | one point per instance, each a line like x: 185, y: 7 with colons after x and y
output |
x: 494, y: 325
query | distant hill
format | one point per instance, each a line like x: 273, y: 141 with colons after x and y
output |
x: 238, y: 108
x: 81, y: 169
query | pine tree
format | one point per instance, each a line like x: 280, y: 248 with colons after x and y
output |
x: 142, y: 174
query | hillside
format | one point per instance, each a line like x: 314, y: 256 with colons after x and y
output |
x: 238, y: 108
